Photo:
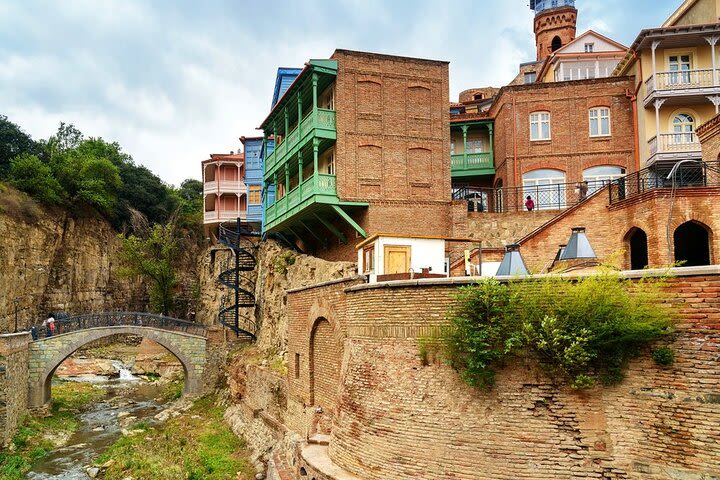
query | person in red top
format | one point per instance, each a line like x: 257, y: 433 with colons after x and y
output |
x: 529, y: 204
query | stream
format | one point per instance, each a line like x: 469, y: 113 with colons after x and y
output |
x: 127, y: 397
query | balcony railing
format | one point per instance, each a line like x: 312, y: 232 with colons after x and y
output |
x: 472, y: 161
x: 221, y: 215
x: 682, y: 80
x: 317, y: 119
x: 691, y: 174
x: 513, y: 199
x: 224, y: 186
x: 319, y: 184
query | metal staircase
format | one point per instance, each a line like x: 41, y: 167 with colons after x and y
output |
x: 237, y: 275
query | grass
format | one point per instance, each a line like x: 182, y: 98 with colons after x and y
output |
x: 37, y: 436
x: 197, y: 445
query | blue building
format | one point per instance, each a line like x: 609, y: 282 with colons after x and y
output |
x: 252, y: 147
x: 285, y: 77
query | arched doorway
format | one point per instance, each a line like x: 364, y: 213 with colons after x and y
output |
x: 324, y: 365
x: 692, y: 244
x: 638, y: 247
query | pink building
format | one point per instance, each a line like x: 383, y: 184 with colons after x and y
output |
x: 224, y: 191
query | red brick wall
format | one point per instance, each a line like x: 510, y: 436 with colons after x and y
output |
x: 393, y: 143
x: 559, y: 22
x: 399, y: 419
x: 571, y: 148
x: 324, y: 365
x: 608, y: 227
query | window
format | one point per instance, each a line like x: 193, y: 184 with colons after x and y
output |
x: 478, y: 96
x: 589, y: 47
x: 474, y: 146
x: 540, y: 126
x: 255, y: 194
x: 680, y: 66
x: 599, y: 122
x: 530, y: 77
x: 601, y: 175
x: 452, y: 147
x: 369, y: 259
x: 331, y: 163
x: 545, y: 187
x: 683, y: 129
x: 556, y: 44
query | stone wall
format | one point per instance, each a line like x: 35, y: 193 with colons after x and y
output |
x: 13, y: 382
x: 58, y: 260
x: 496, y: 230
x: 397, y: 418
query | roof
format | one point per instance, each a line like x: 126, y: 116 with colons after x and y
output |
x: 323, y: 63
x: 230, y: 157
x: 678, y: 14
x: 559, y: 53
x: 283, y: 72
x: 389, y: 56
x: 372, y: 238
x: 646, y: 37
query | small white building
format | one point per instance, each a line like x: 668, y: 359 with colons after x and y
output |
x: 401, y: 256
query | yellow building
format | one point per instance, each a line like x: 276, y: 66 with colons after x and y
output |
x: 678, y: 83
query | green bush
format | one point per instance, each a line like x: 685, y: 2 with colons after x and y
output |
x: 663, y: 356
x: 282, y: 262
x: 581, y: 331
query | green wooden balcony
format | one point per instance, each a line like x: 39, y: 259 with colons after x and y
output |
x: 319, y: 123
x: 320, y: 188
x: 471, y: 164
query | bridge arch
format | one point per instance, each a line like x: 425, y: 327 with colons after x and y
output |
x: 46, y: 355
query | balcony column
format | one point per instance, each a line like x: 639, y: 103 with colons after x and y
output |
x: 275, y: 182
x: 653, y: 47
x: 597, y: 68
x: 274, y: 126
x: 316, y: 148
x: 299, y: 107
x: 712, y: 41
x: 658, y: 103
x: 464, y: 130
x: 287, y: 123
x: 492, y: 147
x: 287, y: 180
x: 315, y: 91
x: 300, y: 172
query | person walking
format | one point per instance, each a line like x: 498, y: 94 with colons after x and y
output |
x: 529, y: 204
x: 50, y: 323
x: 583, y: 190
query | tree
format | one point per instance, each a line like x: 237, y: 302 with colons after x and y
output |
x: 14, y: 142
x: 29, y: 174
x: 154, y: 258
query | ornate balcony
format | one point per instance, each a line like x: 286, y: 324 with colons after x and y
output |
x: 472, y: 164
x: 686, y: 83
x: 674, y: 147
x: 318, y: 188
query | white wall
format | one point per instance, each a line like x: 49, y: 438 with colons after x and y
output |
x: 424, y: 253
x: 599, y: 45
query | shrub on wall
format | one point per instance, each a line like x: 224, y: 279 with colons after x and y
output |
x: 581, y: 330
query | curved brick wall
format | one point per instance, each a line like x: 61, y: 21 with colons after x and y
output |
x: 398, y: 419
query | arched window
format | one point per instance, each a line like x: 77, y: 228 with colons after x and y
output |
x: 545, y: 187
x: 599, y: 176
x: 499, y: 195
x: 556, y: 43
x: 692, y: 244
x: 638, y: 248
x: 683, y: 126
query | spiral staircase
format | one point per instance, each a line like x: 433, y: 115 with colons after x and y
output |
x: 237, y: 275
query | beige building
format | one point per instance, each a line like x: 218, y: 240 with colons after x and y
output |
x: 677, y: 83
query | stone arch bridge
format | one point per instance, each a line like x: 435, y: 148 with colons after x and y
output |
x: 186, y: 340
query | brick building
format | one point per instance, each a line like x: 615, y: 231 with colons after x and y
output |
x: 361, y: 145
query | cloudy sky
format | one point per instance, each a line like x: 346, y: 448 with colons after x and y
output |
x: 173, y: 81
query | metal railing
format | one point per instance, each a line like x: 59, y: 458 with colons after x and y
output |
x: 513, y: 199
x: 700, y: 174
x: 118, y: 319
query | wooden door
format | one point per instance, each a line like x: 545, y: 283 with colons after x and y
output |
x: 397, y: 259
